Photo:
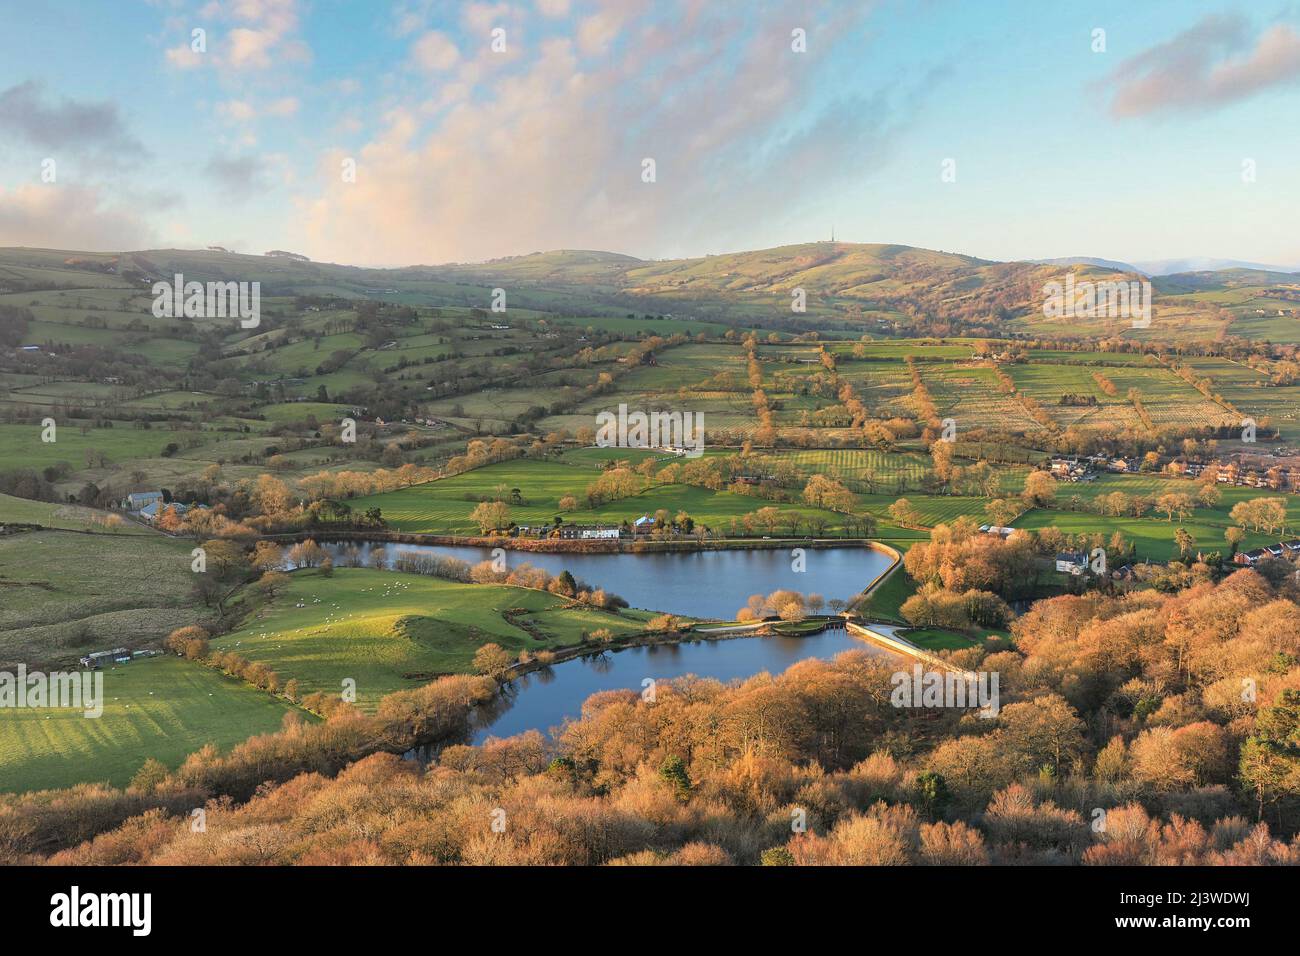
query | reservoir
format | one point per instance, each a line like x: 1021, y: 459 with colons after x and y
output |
x: 703, y: 584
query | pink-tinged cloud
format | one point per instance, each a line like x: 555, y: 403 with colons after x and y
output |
x: 243, y: 111
x: 435, y: 51
x: 249, y: 48
x: 263, y: 34
x: 1211, y: 65
x: 185, y: 57
x: 550, y: 154
x: 59, y: 216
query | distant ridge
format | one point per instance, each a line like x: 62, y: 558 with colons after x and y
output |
x: 1165, y: 267
x: 871, y: 286
x: 1091, y: 261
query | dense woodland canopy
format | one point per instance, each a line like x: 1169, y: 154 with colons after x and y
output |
x: 1144, y: 728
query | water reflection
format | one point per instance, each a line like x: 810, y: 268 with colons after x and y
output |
x: 539, y: 702
x: 705, y: 584
x: 710, y: 584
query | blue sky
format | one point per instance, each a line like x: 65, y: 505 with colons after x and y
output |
x: 464, y: 152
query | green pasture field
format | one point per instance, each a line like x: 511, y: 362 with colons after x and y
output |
x: 884, y: 602
x: 388, y: 630
x: 970, y: 395
x: 595, y: 457
x: 656, y: 326
x: 1153, y: 537
x: 1096, y: 358
x: 856, y: 464
x: 931, y: 509
x: 306, y: 354
x: 444, y: 506
x: 901, y: 348
x: 67, y: 392
x: 884, y: 386
x: 298, y: 411
x: 67, y: 517
x: 178, y: 401
x: 1270, y: 327
x: 42, y: 331
x: 63, y: 594
x: 500, y: 404
x: 162, y: 707
x: 21, y: 445
x: 1248, y: 389
x: 168, y: 353
x: 1153, y: 486
x: 937, y: 639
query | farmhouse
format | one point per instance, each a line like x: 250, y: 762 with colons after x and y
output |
x: 151, y: 511
x: 1072, y: 562
x: 137, y: 500
x: 589, y: 532
x: 1283, y: 549
x: 1070, y: 469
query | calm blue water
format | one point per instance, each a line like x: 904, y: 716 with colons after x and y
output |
x: 543, y: 699
x: 705, y: 584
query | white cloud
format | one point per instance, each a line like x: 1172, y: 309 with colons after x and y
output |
x: 284, y: 106
x: 249, y: 48
x: 548, y: 154
x: 435, y: 51
x: 184, y: 57
x: 482, y: 17
x: 69, y: 217
x: 243, y: 111
x: 597, y: 31
x: 238, y: 111
x: 264, y: 35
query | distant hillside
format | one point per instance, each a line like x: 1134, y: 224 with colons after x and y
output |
x: 1164, y: 267
x: 1224, y: 279
x: 1091, y: 261
x: 901, y: 283
x: 864, y: 286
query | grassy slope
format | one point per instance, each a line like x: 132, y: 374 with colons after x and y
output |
x: 63, y: 593
x: 443, y: 506
x: 23, y: 447
x: 389, y: 631
x: 937, y: 639
x: 883, y: 603
x: 69, y: 517
x: 162, y: 707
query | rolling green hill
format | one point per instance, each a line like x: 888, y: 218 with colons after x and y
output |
x: 857, y: 282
